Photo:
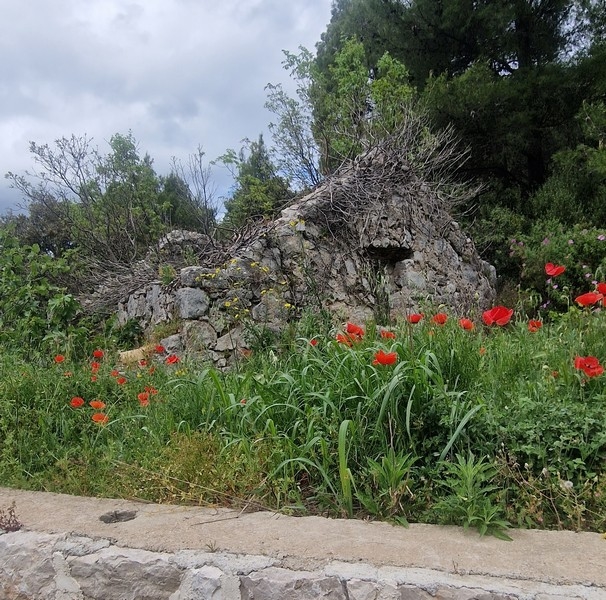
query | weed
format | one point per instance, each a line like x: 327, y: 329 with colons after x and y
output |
x: 471, y: 497
x: 308, y: 424
x: 8, y: 519
x: 388, y: 486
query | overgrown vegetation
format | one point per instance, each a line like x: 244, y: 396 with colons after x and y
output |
x: 435, y: 421
x: 520, y: 84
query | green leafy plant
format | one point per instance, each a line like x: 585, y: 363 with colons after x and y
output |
x: 470, y: 500
x: 580, y: 248
x: 167, y: 274
x: 388, y: 486
x: 349, y: 421
x: 34, y: 307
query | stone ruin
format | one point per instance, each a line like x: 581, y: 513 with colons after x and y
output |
x: 375, y: 241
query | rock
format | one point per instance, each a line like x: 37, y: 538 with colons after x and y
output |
x: 125, y: 574
x: 172, y: 344
x: 276, y: 584
x: 198, y: 336
x: 191, y: 303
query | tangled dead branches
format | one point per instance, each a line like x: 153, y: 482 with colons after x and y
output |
x: 410, y: 175
x: 104, y: 284
x: 413, y: 170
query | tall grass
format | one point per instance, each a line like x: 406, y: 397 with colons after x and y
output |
x: 321, y: 429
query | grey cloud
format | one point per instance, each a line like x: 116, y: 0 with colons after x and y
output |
x: 178, y: 73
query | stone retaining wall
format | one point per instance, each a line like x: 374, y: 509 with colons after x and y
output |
x: 43, y: 566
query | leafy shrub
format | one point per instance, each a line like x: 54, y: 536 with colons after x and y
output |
x: 35, y: 311
x: 582, y: 250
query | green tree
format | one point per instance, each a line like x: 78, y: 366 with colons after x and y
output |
x: 296, y: 151
x: 259, y: 191
x: 516, y: 107
x: 340, y: 114
x: 448, y: 36
x: 126, y: 211
x: 576, y: 190
x: 377, y: 24
x: 44, y: 225
x: 111, y: 207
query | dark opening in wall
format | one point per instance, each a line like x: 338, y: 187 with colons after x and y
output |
x: 389, y: 254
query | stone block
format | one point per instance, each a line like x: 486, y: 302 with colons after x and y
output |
x: 198, y: 336
x: 125, y: 574
x: 26, y: 565
x: 191, y: 303
x: 278, y: 584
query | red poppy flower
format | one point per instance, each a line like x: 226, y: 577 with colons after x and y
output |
x: 554, y: 270
x: 143, y: 363
x: 355, y: 331
x: 97, y: 404
x: 588, y: 299
x: 121, y: 380
x: 499, y: 315
x: 415, y: 318
x: 59, y: 358
x: 466, y: 324
x: 534, y: 325
x: 385, y: 358
x: 115, y: 373
x: 143, y: 398
x: 601, y: 287
x: 76, y: 402
x: 100, y: 418
x: 93, y: 378
x: 388, y: 335
x: 98, y: 353
x: 590, y: 365
x: 160, y: 349
x: 344, y: 339
x: 313, y: 342
x: 95, y: 366
x: 172, y: 359
x: 440, y: 318
x: 151, y: 390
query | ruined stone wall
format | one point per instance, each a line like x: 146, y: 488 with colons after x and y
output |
x: 359, y: 259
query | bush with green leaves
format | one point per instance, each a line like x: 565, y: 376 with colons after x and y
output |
x: 35, y: 309
x: 581, y: 249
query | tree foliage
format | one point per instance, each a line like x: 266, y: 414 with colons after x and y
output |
x: 519, y: 80
x: 341, y: 113
x: 296, y: 151
x: 259, y: 190
x: 111, y: 207
x: 191, y: 193
x: 449, y: 36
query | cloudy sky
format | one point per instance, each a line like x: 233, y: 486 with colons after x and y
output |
x: 177, y: 73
